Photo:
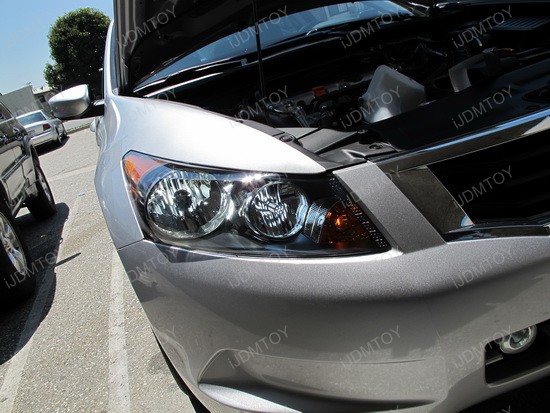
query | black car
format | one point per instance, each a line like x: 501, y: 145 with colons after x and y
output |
x: 22, y: 183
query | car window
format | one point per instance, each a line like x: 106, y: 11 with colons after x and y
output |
x: 280, y: 27
x: 31, y: 118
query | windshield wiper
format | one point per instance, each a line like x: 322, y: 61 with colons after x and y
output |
x: 328, y: 32
x: 221, y: 64
x: 341, y: 30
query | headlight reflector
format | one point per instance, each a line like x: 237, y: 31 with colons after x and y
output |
x: 185, y: 205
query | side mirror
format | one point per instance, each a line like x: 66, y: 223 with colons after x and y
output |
x: 75, y: 103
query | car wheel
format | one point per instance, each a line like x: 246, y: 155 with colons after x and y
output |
x: 17, y: 281
x: 43, y: 206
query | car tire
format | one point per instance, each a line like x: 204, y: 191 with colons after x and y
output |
x: 43, y: 206
x: 17, y: 282
x: 198, y: 407
x: 61, y: 136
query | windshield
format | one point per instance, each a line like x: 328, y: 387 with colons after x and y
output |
x: 31, y: 118
x: 281, y: 27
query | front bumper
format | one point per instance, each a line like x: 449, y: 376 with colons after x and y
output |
x: 352, y: 334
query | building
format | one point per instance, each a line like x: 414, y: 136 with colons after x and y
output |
x: 26, y: 100
x: 43, y: 94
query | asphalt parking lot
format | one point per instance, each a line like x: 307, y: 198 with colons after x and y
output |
x: 83, y: 343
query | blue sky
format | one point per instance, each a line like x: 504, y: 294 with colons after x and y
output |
x: 24, y: 27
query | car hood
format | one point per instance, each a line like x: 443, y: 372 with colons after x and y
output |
x: 150, y: 33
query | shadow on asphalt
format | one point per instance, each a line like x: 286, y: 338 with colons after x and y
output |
x: 51, y: 146
x: 43, y: 239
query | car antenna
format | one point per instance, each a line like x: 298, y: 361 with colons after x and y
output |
x: 260, y: 58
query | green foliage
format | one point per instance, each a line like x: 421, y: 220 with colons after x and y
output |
x: 77, y: 43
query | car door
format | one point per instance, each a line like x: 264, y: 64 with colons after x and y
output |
x: 11, y: 148
x: 21, y: 154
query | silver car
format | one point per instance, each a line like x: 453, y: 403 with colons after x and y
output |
x: 332, y: 207
x: 43, y: 128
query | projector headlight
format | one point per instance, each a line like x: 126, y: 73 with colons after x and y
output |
x: 276, y: 210
x: 247, y: 213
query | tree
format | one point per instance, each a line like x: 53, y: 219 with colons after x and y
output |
x: 77, y: 44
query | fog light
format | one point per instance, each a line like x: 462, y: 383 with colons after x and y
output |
x: 519, y: 341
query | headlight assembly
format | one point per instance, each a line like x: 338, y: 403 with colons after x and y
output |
x: 245, y: 213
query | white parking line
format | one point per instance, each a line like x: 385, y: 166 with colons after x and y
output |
x: 119, y: 388
x: 70, y: 174
x: 17, y: 364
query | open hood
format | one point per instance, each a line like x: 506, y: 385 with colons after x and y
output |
x: 152, y: 32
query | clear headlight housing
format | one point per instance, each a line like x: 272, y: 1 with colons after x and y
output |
x: 248, y: 213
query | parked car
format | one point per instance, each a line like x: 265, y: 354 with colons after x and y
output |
x: 43, y: 128
x: 332, y: 207
x: 22, y: 183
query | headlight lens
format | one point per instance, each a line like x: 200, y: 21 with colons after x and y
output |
x: 248, y: 213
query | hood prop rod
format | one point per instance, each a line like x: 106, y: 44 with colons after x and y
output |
x: 260, y: 58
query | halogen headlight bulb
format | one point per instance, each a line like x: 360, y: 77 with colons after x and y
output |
x: 276, y: 211
x: 186, y: 205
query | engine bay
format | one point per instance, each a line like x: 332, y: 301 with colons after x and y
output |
x: 400, y: 87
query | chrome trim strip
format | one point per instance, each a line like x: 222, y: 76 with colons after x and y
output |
x: 505, y: 231
x: 505, y: 132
